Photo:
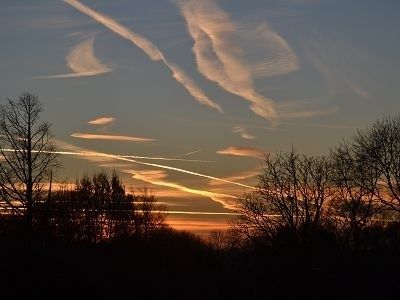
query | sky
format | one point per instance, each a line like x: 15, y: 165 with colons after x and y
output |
x: 185, y: 97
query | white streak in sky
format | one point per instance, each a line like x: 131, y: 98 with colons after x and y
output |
x: 241, y: 176
x: 156, y: 180
x: 303, y: 110
x: 220, y: 59
x: 110, y: 137
x: 95, y: 155
x: 188, y: 153
x: 243, y: 133
x: 102, y: 121
x: 150, y: 49
x: 82, y: 61
x: 242, y: 151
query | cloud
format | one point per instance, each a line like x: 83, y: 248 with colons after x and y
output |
x: 303, y: 110
x: 243, y: 132
x: 242, y: 151
x: 228, y: 201
x: 150, y: 49
x: 107, y: 158
x: 149, y: 174
x: 220, y: 58
x: 110, y: 137
x: 165, y: 158
x: 339, y: 63
x: 102, y: 121
x: 188, y: 153
x: 191, y: 225
x: 182, y: 212
x: 277, y: 56
x: 240, y: 176
x: 99, y: 156
x: 356, y: 88
x: 82, y: 61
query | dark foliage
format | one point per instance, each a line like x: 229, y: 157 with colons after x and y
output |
x: 316, y: 228
x: 98, y: 210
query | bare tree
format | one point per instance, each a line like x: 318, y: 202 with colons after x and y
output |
x: 355, y: 206
x: 292, y: 192
x: 27, y: 155
x: 377, y: 149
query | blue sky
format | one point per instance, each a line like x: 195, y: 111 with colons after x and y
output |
x: 211, y: 83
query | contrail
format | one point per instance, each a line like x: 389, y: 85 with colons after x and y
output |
x: 217, y: 197
x: 89, y: 153
x: 180, y: 212
x: 122, y: 158
x: 188, y: 153
x: 150, y: 49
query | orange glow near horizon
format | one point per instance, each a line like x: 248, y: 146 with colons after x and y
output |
x: 198, y: 227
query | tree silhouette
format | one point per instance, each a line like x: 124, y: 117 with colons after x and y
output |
x: 27, y: 155
x: 148, y: 215
x: 354, y: 203
x: 98, y: 209
x: 377, y: 149
x: 291, y: 194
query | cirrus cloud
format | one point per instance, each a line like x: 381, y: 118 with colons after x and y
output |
x: 150, y: 49
x: 243, y: 132
x: 221, y: 58
x: 242, y: 151
x: 102, y: 121
x: 110, y: 137
x: 82, y: 61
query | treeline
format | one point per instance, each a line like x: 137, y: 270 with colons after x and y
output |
x: 322, y: 226
x: 353, y: 193
x: 97, y: 209
x: 316, y: 227
x: 98, y: 241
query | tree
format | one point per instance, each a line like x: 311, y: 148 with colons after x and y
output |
x: 354, y: 204
x: 292, y: 194
x: 27, y: 154
x: 148, y: 214
x: 98, y: 209
x: 377, y: 150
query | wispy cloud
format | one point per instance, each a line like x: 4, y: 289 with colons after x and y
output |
x: 150, y: 49
x: 243, y: 132
x: 154, y: 177
x: 82, y: 61
x: 220, y: 59
x: 356, y: 88
x: 240, y: 176
x: 99, y: 156
x: 242, y: 151
x: 106, y: 158
x: 339, y: 63
x: 110, y: 137
x: 102, y: 121
x: 276, y: 57
x: 192, y: 225
x: 157, y: 178
x: 188, y: 153
x: 303, y: 110
x: 149, y: 174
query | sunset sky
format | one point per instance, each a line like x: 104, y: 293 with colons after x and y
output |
x: 186, y: 96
